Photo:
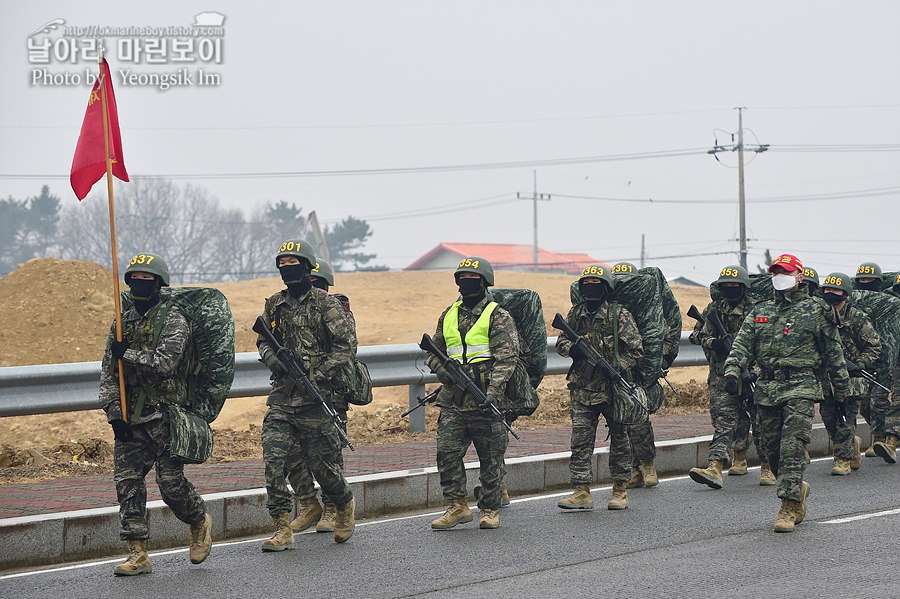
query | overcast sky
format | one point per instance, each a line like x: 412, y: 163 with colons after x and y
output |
x: 640, y: 89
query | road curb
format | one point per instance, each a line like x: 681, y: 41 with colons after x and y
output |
x: 88, y: 534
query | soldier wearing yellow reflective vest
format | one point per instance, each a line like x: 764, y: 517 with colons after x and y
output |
x: 482, y: 337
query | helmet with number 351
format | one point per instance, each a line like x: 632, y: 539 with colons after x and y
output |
x: 477, y: 265
x: 149, y: 263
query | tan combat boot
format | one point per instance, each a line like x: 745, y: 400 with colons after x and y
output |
x: 345, y: 523
x: 619, y: 499
x: 841, y: 467
x: 887, y: 448
x: 784, y: 522
x: 504, y: 497
x: 138, y: 561
x: 458, y: 512
x: 637, y: 479
x: 711, y: 476
x: 308, y: 514
x: 766, y: 476
x: 800, y: 508
x: 870, y: 452
x: 489, y: 519
x: 856, y: 460
x: 326, y: 520
x: 283, y: 538
x: 579, y: 500
x: 201, y: 539
x: 738, y: 464
x: 649, y: 472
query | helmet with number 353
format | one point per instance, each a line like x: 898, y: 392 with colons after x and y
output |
x: 300, y: 249
x: 734, y: 274
x: 477, y: 265
x: 149, y: 263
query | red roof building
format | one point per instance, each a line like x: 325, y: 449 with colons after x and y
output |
x: 503, y: 256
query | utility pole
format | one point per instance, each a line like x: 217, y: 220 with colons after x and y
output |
x: 642, y: 251
x: 535, y: 196
x: 739, y: 148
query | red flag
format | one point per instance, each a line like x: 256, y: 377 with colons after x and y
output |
x: 89, y: 164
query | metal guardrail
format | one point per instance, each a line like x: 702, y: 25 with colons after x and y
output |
x: 52, y: 388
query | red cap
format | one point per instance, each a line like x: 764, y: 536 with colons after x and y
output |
x: 787, y: 262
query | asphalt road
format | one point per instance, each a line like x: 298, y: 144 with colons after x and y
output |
x: 679, y: 539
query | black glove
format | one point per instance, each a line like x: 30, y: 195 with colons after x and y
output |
x: 840, y: 411
x: 731, y: 385
x: 575, y: 352
x: 721, y: 347
x: 117, y: 348
x: 853, y: 369
x: 275, y: 365
x: 444, y: 375
x: 489, y: 400
x: 121, y: 430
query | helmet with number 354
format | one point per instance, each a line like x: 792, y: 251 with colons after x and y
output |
x: 477, y: 265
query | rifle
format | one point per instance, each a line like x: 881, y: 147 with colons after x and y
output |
x: 462, y: 380
x: 296, y: 374
x: 594, y: 358
x: 669, y: 383
x: 871, y: 378
x: 748, y: 386
x: 422, y: 401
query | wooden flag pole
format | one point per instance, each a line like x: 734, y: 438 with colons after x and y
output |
x: 112, y: 233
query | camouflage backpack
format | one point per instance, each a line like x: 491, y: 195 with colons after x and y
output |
x: 884, y: 312
x: 212, y: 338
x: 641, y: 294
x: 524, y: 305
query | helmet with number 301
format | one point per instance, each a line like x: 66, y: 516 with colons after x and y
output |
x: 300, y: 249
x: 149, y: 263
x: 734, y: 274
x: 598, y: 271
x: 479, y: 266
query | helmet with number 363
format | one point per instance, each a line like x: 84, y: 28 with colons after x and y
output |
x: 598, y: 271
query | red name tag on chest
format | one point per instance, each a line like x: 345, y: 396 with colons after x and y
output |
x: 762, y: 319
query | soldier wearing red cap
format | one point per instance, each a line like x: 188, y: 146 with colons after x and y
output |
x: 790, y: 339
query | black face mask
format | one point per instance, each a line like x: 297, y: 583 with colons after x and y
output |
x: 733, y: 294
x: 469, y: 287
x: 873, y: 285
x: 833, y: 299
x: 319, y: 283
x: 593, y: 291
x: 294, y: 273
x: 145, y: 294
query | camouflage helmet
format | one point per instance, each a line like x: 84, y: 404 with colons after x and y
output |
x: 810, y: 277
x: 300, y: 249
x: 624, y: 268
x: 868, y: 270
x: 479, y: 266
x: 734, y: 274
x: 150, y: 263
x: 838, y: 280
x: 598, y: 271
x: 323, y: 270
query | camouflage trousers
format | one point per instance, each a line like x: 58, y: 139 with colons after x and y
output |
x: 585, y: 419
x: 875, y: 407
x: 319, y: 445
x: 643, y: 446
x: 455, y: 432
x: 133, y: 460
x: 731, y: 425
x: 747, y: 423
x: 841, y: 434
x: 297, y: 471
x: 892, y: 418
x: 785, y: 432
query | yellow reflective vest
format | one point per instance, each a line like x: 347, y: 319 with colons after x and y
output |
x: 477, y: 345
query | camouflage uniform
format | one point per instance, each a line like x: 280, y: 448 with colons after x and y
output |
x: 790, y: 339
x: 314, y: 329
x: 862, y: 346
x: 161, y: 373
x: 729, y: 418
x: 462, y: 421
x: 296, y: 468
x: 591, y: 398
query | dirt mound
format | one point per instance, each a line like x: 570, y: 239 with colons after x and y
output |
x: 54, y: 311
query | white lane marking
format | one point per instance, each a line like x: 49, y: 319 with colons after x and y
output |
x: 862, y: 517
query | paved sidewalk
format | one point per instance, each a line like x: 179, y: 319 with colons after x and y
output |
x: 79, y: 493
